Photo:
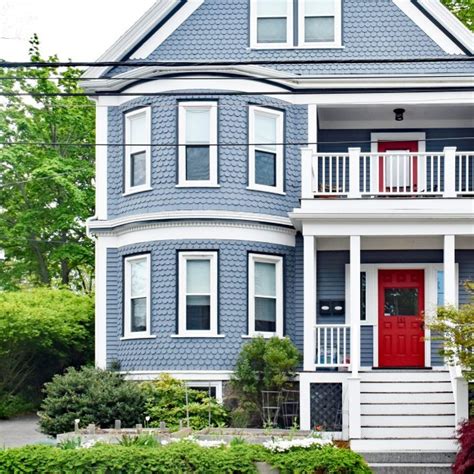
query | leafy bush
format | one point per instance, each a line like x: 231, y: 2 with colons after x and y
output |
x: 166, y: 402
x: 42, y: 331
x: 465, y: 458
x: 181, y: 457
x: 92, y: 396
x: 263, y: 364
x: 11, y: 405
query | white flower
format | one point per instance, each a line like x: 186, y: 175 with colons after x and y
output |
x: 89, y: 443
x: 280, y: 445
x: 204, y: 443
x: 147, y: 418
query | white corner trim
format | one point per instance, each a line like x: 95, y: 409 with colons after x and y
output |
x: 101, y: 130
x: 167, y: 29
x: 100, y: 304
x: 428, y: 26
x: 439, y: 12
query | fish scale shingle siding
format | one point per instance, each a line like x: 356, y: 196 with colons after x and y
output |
x: 232, y: 161
x: 168, y: 353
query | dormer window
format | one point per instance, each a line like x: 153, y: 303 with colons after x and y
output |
x: 272, y: 25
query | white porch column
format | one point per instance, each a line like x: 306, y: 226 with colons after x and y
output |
x: 354, y: 173
x: 450, y: 283
x: 354, y: 302
x: 309, y: 258
x: 307, y: 177
x: 449, y: 171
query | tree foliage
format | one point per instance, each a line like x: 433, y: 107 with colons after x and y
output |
x: 463, y: 9
x: 46, y: 191
x: 42, y: 331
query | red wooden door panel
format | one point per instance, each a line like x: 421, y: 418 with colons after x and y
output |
x: 404, y: 171
x: 401, y: 307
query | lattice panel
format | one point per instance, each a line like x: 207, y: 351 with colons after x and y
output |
x: 326, y: 406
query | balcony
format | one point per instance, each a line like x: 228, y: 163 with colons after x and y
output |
x: 358, y: 175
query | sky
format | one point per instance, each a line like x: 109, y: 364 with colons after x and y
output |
x: 80, y: 30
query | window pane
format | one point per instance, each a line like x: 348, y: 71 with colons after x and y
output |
x: 198, y: 278
x: 319, y: 8
x: 318, y: 29
x: 198, y: 313
x: 207, y: 391
x: 138, y: 169
x: 266, y: 131
x: 271, y: 30
x: 138, y: 277
x: 265, y: 168
x: 197, y: 163
x: 265, y: 279
x: 197, y: 125
x: 440, y: 280
x: 138, y: 311
x: 401, y: 302
x: 265, y: 314
x: 137, y: 125
x: 363, y: 291
x: 272, y: 7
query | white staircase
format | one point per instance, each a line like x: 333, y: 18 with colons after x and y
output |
x: 406, y: 410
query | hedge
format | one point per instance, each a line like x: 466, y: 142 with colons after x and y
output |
x: 182, y: 457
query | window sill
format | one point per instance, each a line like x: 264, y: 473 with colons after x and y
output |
x: 265, y: 335
x: 197, y: 336
x: 197, y: 185
x: 138, y: 190
x: 137, y: 336
x: 265, y: 190
x: 303, y: 46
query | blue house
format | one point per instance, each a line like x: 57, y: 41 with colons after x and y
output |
x: 298, y: 168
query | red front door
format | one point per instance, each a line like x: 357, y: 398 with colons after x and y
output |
x: 398, y: 172
x: 401, y: 307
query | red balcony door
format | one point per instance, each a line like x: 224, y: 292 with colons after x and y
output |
x: 401, y: 307
x: 398, y: 173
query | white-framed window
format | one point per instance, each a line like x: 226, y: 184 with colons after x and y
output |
x: 271, y: 23
x: 197, y: 300
x: 319, y: 23
x: 265, y: 295
x: 197, y: 137
x: 211, y: 389
x: 266, y: 149
x: 137, y: 296
x: 138, y: 150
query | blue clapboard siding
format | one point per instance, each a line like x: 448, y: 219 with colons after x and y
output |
x: 366, y: 346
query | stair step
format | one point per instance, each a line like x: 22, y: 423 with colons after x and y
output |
x: 406, y: 397
x: 404, y: 445
x: 414, y: 432
x: 407, y: 420
x: 407, y: 409
x: 421, y: 457
x: 406, y: 376
x: 390, y: 387
x: 407, y: 468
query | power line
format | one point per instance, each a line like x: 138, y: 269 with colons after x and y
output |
x: 253, y: 62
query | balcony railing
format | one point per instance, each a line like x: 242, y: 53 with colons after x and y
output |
x: 332, y: 345
x: 355, y: 174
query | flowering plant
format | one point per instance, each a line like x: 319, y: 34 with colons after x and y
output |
x: 280, y: 445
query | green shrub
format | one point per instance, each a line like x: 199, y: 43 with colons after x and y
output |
x: 92, y: 396
x: 166, y: 402
x: 12, y: 405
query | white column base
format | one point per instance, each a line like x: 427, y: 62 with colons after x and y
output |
x: 354, y: 407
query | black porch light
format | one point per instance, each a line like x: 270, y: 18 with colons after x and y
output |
x: 399, y: 114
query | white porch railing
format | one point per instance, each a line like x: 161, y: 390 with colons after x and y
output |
x: 332, y: 345
x: 355, y: 174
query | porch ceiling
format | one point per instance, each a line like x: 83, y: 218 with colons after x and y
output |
x: 373, y: 116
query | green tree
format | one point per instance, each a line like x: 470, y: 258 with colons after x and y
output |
x: 463, y: 9
x: 42, y: 331
x: 46, y: 191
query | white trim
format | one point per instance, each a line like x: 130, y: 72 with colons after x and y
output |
x: 188, y: 375
x: 100, y: 304
x: 101, y: 133
x: 167, y: 29
x: 375, y: 138
x: 337, y: 43
x: 130, y: 150
x: 279, y: 116
x: 211, y: 107
x: 313, y: 127
x: 206, y: 384
x: 254, y: 44
x: 134, y: 337
x: 182, y: 215
x: 183, y: 258
x: 190, y: 336
x: 279, y: 296
x: 127, y: 332
x: 440, y: 13
x: 423, y: 22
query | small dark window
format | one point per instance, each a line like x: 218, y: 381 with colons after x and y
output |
x: 401, y: 302
x: 363, y: 296
x: 265, y: 168
x: 138, y: 168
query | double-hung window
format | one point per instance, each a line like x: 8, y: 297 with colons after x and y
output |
x: 319, y: 23
x: 265, y: 295
x: 137, y: 296
x: 197, y: 139
x: 137, y: 150
x: 266, y: 149
x: 271, y: 23
x: 197, y: 294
